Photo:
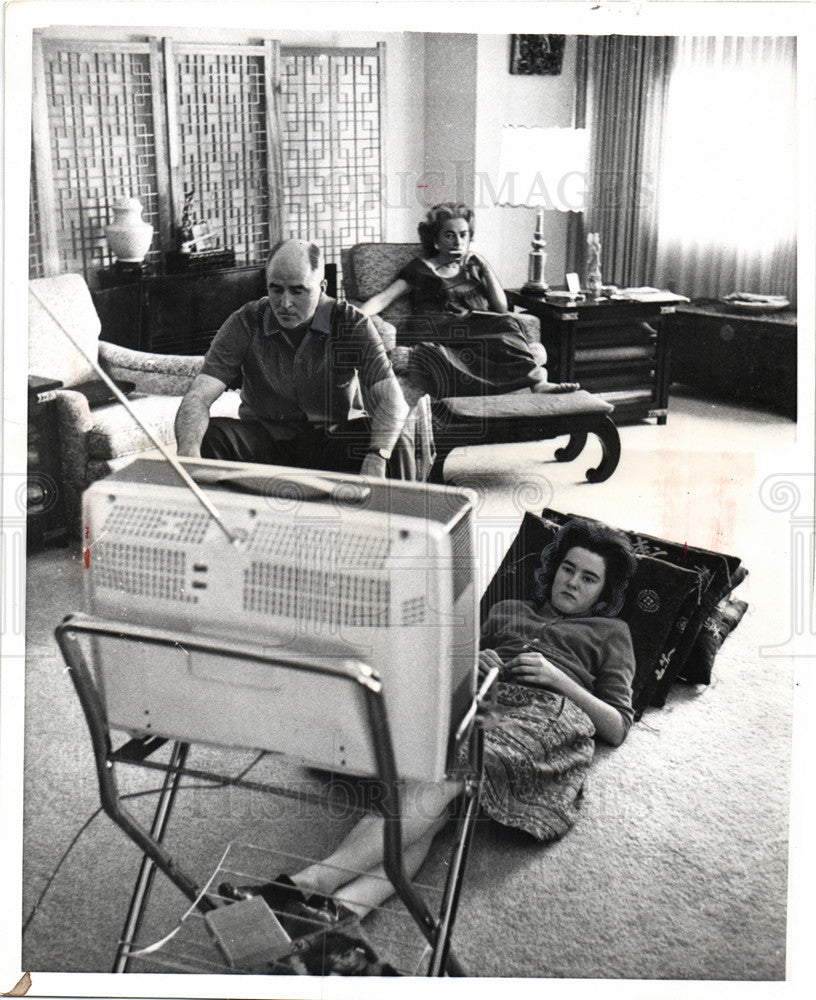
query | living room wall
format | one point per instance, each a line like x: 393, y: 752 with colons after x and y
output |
x: 505, y: 99
x: 469, y: 95
x: 450, y: 118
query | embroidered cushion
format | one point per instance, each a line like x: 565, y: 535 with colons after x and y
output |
x: 714, y: 631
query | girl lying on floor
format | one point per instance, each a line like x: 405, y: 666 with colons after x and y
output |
x: 566, y: 668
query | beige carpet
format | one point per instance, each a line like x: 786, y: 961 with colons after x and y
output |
x: 678, y: 866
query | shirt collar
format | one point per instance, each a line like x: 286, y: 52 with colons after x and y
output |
x: 321, y: 321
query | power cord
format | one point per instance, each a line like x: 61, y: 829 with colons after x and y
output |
x: 212, y: 786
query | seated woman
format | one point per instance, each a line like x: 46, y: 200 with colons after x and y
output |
x: 567, y: 666
x: 461, y: 340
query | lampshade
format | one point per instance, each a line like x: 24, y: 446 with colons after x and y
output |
x: 543, y: 167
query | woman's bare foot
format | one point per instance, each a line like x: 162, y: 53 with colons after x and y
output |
x: 555, y: 387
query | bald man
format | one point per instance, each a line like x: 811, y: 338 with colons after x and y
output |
x: 317, y: 389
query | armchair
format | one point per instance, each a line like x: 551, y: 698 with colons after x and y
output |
x: 95, y: 439
x: 368, y: 268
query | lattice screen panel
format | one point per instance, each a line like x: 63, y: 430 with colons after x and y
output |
x: 100, y: 121
x: 330, y: 137
x: 36, y: 267
x: 222, y: 132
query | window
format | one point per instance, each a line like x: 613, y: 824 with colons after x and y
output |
x: 692, y: 173
x: 727, y: 195
x: 729, y: 169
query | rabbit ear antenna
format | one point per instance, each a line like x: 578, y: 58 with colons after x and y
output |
x: 185, y: 476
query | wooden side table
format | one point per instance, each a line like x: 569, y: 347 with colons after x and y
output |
x: 616, y: 349
x: 45, y: 504
x: 738, y: 356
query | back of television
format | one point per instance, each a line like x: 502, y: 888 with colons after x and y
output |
x: 185, y: 946
x: 169, y: 685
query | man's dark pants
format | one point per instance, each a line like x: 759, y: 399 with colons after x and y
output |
x: 340, y: 448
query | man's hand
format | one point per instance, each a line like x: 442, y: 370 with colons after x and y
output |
x: 374, y: 465
x: 536, y: 670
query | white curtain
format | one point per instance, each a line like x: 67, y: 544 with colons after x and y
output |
x: 727, y: 193
x: 627, y: 82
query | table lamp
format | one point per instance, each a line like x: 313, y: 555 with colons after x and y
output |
x: 545, y: 169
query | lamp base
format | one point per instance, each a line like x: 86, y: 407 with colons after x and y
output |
x: 536, y: 263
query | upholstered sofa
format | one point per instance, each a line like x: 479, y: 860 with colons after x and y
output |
x: 97, y: 436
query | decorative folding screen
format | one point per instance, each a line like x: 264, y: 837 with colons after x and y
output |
x: 273, y: 142
x: 330, y: 114
x: 96, y: 109
x: 36, y: 264
x: 219, y: 135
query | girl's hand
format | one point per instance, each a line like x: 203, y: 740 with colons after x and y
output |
x: 536, y: 670
x: 488, y: 658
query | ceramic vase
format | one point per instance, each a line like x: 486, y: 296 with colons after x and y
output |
x: 129, y: 236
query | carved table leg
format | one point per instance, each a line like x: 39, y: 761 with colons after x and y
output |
x: 573, y: 448
x: 607, y: 434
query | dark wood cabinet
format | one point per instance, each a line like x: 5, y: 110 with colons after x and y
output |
x: 736, y: 356
x: 173, y: 313
x: 617, y: 349
x: 45, y: 504
x: 176, y: 313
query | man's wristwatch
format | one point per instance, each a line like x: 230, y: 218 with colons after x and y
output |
x: 382, y: 453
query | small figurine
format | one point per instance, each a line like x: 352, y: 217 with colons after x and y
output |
x: 186, y: 227
x: 594, y: 281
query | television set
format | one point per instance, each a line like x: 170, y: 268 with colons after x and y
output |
x: 318, y: 567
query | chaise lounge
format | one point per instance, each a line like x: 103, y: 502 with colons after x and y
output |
x: 368, y: 268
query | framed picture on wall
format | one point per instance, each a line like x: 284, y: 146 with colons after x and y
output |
x: 539, y: 55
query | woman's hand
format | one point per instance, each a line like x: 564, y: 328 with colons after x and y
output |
x: 476, y: 264
x: 488, y: 658
x: 375, y: 305
x: 535, y: 670
x: 478, y: 267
